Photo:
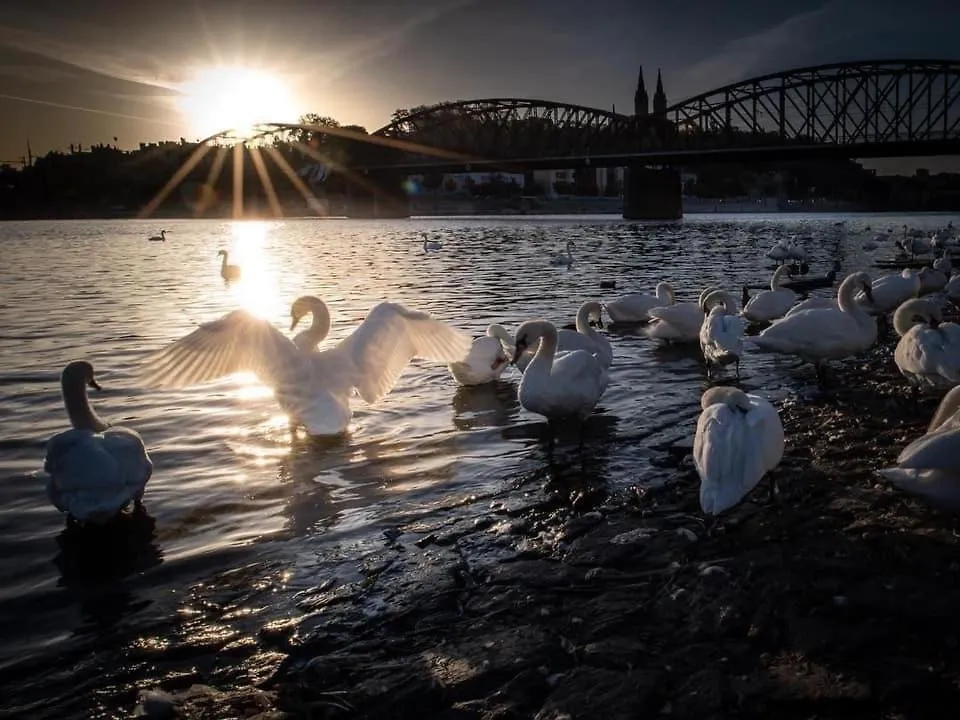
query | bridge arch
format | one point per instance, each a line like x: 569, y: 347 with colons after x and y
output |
x: 856, y: 103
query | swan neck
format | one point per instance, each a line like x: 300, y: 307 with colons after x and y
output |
x: 846, y: 298
x: 777, y: 279
x: 320, y: 325
x: 500, y: 333
x: 82, y: 416
x: 546, y: 350
x: 947, y: 408
x: 665, y: 293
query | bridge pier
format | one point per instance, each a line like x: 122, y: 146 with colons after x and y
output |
x: 652, y: 194
x: 379, y: 195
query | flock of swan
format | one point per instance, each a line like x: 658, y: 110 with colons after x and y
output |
x: 96, y: 470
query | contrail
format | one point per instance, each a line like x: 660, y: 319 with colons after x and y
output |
x: 49, y: 103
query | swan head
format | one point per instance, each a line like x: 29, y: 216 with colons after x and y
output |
x: 916, y: 311
x: 592, y: 310
x: 304, y: 305
x: 716, y: 298
x: 78, y: 374
x: 529, y: 335
x: 734, y: 397
x: 222, y: 253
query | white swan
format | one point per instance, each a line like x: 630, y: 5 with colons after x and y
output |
x: 162, y: 237
x: 635, y: 307
x: 739, y: 440
x: 928, y: 353
x: 721, y: 334
x: 773, y: 303
x: 313, y: 388
x: 486, y: 360
x: 824, y: 334
x: 557, y: 387
x: 95, y: 469
x: 430, y: 244
x: 228, y: 272
x: 930, y: 466
x: 812, y: 303
x: 679, y: 322
x: 888, y: 291
x: 583, y: 338
x: 564, y: 258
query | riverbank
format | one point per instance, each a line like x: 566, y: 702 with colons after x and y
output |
x: 561, y: 600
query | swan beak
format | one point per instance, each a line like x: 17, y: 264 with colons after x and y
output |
x: 933, y: 323
x: 293, y: 322
x: 94, y: 384
x: 868, y: 291
x: 600, y: 323
x: 517, y: 352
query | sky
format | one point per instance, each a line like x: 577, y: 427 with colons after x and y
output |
x: 86, y: 72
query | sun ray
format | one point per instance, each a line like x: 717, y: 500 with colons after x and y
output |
x: 195, y: 157
x: 308, y: 197
x: 266, y: 183
x: 238, y: 180
x: 216, y: 168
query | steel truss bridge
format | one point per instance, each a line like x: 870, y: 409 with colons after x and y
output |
x: 879, y: 108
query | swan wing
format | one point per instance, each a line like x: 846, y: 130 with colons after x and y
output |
x: 728, y: 457
x: 92, y: 475
x: 389, y: 338
x: 237, y: 342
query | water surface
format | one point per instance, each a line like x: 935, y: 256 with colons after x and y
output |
x: 232, y: 491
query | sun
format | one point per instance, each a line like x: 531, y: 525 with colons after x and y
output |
x: 234, y: 98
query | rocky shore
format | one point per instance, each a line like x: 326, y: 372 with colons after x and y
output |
x: 834, y: 598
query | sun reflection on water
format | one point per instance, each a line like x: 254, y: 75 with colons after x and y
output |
x: 258, y: 289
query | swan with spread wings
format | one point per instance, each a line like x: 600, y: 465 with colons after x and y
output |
x: 313, y: 388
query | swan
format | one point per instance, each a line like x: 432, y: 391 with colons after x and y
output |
x: 95, y: 469
x: 557, y: 387
x: 679, y: 322
x: 739, y: 440
x: 944, y: 264
x: 933, y: 279
x: 313, y: 388
x: 812, y: 303
x: 773, y: 303
x: 636, y: 306
x: 928, y: 353
x: 228, y: 272
x: 162, y: 237
x: 430, y: 244
x: 889, y: 291
x: 721, y: 334
x: 824, y: 334
x: 583, y: 338
x: 564, y: 257
x: 486, y: 360
x: 928, y: 466
x: 308, y: 340
x: 952, y: 290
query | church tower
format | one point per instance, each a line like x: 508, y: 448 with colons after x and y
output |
x: 659, y: 99
x: 641, y: 102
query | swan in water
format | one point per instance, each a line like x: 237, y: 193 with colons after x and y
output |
x: 228, y: 272
x: 721, y: 334
x: 824, y: 334
x: 679, y: 322
x: 162, y: 237
x: 568, y: 386
x: 636, y: 307
x: 486, y: 360
x: 96, y: 469
x: 930, y: 466
x: 928, y: 353
x: 739, y: 440
x: 564, y: 257
x: 430, y: 244
x: 308, y: 340
x: 583, y: 338
x: 773, y: 303
x: 313, y: 388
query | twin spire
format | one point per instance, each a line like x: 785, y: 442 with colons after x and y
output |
x: 641, y: 103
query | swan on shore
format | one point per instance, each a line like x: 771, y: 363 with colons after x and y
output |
x: 721, y: 334
x: 635, y: 307
x: 771, y: 304
x: 739, y: 440
x: 313, y: 388
x: 228, y: 272
x: 929, y: 467
x: 928, y: 352
x: 823, y: 334
x: 568, y: 386
x: 487, y: 358
x: 95, y: 469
